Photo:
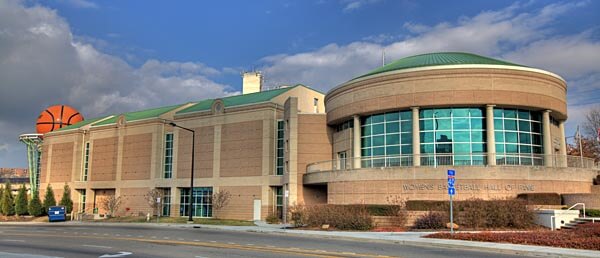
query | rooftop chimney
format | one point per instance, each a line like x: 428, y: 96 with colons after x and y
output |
x: 252, y: 82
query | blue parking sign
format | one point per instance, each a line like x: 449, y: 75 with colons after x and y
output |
x: 451, y: 172
x: 451, y: 181
x: 451, y: 191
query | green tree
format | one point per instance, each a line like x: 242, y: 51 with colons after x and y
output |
x: 66, y: 199
x: 7, y: 206
x: 49, y: 199
x: 35, y: 205
x: 21, y: 201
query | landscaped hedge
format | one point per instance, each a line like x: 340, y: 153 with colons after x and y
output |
x: 592, y: 213
x: 343, y: 217
x: 540, y: 198
x: 478, y: 213
x: 425, y: 205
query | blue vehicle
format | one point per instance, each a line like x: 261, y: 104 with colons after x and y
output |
x: 57, y: 213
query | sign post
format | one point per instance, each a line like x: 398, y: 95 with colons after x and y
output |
x: 451, y: 192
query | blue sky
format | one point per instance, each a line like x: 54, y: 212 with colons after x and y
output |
x: 106, y: 57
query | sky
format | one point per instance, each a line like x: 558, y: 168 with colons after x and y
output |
x: 113, y: 56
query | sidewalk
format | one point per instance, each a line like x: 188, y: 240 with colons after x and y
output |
x: 413, y: 238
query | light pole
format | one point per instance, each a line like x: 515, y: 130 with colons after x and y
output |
x: 191, y: 203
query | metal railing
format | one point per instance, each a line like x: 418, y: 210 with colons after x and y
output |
x: 453, y: 159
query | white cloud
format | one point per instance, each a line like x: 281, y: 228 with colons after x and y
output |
x: 352, y: 5
x: 42, y: 64
x: 80, y: 3
x: 4, y: 147
x: 514, y: 33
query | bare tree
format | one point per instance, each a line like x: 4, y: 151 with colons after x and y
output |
x: 219, y: 200
x: 111, y: 203
x: 155, y: 197
x: 592, y: 123
x: 590, y: 143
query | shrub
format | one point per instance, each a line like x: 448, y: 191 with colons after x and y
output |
x: 66, y: 199
x: 48, y: 199
x: 397, y: 210
x: 272, y: 218
x: 431, y: 220
x: 425, y: 205
x: 597, y: 180
x: 379, y: 209
x: 35, y: 205
x: 540, y: 198
x: 21, y: 201
x: 343, y: 217
x: 298, y: 215
x: 498, y: 213
x: 592, y: 213
x: 7, y: 204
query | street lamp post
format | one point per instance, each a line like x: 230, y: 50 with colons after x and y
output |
x: 191, y: 203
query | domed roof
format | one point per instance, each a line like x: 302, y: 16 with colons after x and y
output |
x: 436, y: 59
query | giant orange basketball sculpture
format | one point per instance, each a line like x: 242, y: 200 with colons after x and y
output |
x: 56, y: 117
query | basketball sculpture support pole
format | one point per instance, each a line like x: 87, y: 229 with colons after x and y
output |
x: 34, y: 143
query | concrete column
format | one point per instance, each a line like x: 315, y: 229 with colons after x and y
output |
x: 416, y: 137
x: 547, y: 139
x: 490, y: 136
x: 563, y: 144
x: 356, y: 142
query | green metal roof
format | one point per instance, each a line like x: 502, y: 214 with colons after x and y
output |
x: 435, y: 59
x: 139, y: 115
x: 238, y: 100
x: 82, y: 123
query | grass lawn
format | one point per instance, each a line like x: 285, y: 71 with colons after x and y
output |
x: 139, y: 219
x: 586, y: 236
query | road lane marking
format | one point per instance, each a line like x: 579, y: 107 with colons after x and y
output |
x: 120, y: 254
x: 267, y: 249
x: 98, y: 246
x: 13, y: 240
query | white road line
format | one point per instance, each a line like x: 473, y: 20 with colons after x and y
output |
x: 196, y: 240
x: 165, y: 238
x: 180, y: 239
x: 120, y: 254
x: 13, y: 240
x: 128, y: 236
x: 231, y: 243
x: 98, y: 246
x: 249, y: 244
x: 106, y: 234
x: 213, y: 241
x: 117, y: 235
x: 153, y: 236
x: 140, y: 236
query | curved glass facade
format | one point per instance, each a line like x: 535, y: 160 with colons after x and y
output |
x: 386, y: 139
x: 518, y: 136
x: 452, y: 136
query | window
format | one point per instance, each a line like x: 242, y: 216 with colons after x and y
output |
x: 316, y: 105
x: 168, y: 172
x: 452, y: 136
x: 345, y: 125
x: 278, y: 194
x: 386, y: 139
x: 202, y: 206
x: 342, y: 160
x: 280, y: 148
x: 518, y: 136
x: 81, y: 200
x: 166, y: 202
x: 86, y: 159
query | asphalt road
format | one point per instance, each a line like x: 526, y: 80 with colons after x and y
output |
x: 64, y: 240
